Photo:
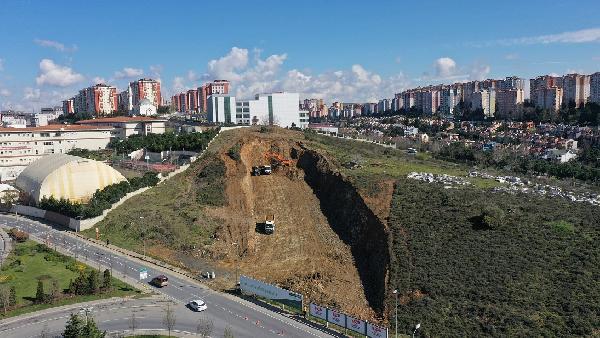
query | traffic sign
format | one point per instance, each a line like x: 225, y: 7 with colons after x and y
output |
x: 143, y: 273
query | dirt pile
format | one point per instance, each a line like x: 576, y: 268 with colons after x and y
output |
x: 327, y: 243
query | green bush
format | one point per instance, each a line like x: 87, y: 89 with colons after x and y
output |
x: 167, y: 141
x: 234, y: 152
x: 101, y: 200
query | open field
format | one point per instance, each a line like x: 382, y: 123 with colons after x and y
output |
x: 31, y: 262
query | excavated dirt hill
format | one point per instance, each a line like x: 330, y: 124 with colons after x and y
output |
x: 305, y: 253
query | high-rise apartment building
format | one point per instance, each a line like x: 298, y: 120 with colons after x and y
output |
x: 100, y: 100
x: 539, y: 83
x: 595, y: 87
x: 548, y: 98
x: 486, y: 100
x: 509, y: 103
x: 139, y: 90
x: 576, y: 89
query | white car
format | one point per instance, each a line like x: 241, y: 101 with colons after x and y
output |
x: 198, y: 305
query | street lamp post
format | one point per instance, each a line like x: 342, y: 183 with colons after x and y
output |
x: 418, y: 326
x: 395, y: 292
x: 143, y: 237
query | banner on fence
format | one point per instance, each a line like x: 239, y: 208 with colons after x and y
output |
x: 374, y: 331
x: 318, y: 311
x: 356, y: 324
x: 336, y: 317
x: 269, y: 291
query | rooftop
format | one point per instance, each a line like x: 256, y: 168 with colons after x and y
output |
x: 52, y: 127
x: 121, y: 119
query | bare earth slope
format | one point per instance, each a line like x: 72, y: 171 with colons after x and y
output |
x: 304, y: 254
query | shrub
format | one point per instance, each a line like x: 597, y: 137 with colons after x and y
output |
x: 18, y: 235
x: 234, y: 152
x: 101, y: 200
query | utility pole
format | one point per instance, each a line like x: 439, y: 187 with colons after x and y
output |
x: 395, y: 292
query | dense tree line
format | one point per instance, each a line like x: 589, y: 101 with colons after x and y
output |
x: 468, y: 262
x: 161, y: 142
x: 101, y: 200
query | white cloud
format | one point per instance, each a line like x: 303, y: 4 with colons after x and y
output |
x: 511, y: 56
x: 4, y: 92
x: 98, y: 79
x: 589, y: 35
x: 128, y: 73
x: 56, y: 75
x: 479, y: 71
x: 31, y: 94
x: 250, y: 76
x: 1, y: 65
x: 178, y: 85
x: 156, y: 71
x: 56, y: 45
x: 445, y: 67
x: 225, y: 67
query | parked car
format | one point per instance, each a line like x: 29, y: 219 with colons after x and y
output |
x: 197, y: 305
x: 160, y: 281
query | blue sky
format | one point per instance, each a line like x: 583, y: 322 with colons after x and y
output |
x: 339, y: 50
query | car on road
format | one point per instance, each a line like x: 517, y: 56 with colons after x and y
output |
x: 160, y: 281
x: 197, y: 305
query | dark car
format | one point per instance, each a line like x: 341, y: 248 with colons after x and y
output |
x: 160, y: 281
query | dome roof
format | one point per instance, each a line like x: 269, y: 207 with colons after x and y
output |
x: 66, y: 176
x: 145, y: 101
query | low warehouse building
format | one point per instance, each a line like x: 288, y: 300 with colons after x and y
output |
x: 66, y: 176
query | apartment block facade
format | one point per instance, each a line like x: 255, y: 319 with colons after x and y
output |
x: 19, y: 147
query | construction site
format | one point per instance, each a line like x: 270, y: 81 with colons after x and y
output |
x: 324, y: 239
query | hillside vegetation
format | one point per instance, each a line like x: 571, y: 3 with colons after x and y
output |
x: 469, y: 261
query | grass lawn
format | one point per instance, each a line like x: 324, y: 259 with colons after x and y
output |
x: 379, y: 162
x: 30, y: 262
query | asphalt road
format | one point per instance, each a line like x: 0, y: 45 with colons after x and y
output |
x: 244, y: 318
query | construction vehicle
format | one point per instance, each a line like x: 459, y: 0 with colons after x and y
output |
x: 277, y: 160
x: 269, y: 225
x: 261, y: 170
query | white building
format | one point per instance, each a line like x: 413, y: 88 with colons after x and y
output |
x: 220, y: 109
x: 144, y: 108
x: 123, y: 126
x: 280, y: 109
x: 21, y: 146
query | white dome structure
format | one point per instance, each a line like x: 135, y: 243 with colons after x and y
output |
x: 66, y: 176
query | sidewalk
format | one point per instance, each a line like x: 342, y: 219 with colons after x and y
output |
x: 7, y: 247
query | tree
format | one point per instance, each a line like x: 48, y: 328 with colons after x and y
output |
x: 90, y: 329
x: 13, y: 296
x: 169, y: 318
x: 55, y: 290
x: 93, y: 284
x: 107, y: 280
x: 40, y: 296
x: 74, y: 327
x: 492, y: 217
x: 205, y: 327
x: 5, y: 298
x: 9, y: 198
